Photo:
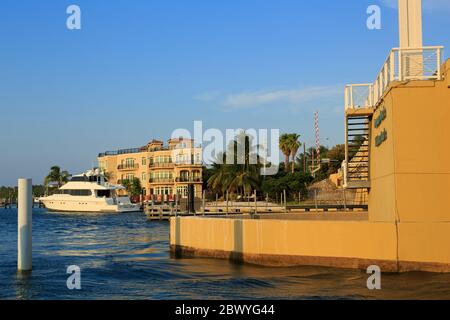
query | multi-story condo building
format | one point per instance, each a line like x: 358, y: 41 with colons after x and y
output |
x: 164, y: 171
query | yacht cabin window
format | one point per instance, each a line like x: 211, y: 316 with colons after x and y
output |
x: 104, y: 193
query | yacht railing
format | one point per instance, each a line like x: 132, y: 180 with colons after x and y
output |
x: 402, y: 64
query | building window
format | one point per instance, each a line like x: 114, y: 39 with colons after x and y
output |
x: 144, y: 161
x: 164, y: 175
x: 183, y: 159
x: 182, y: 191
x: 163, y: 159
x: 144, y: 177
x: 160, y: 191
x: 196, y: 175
x: 182, y: 145
x: 184, y: 176
x: 128, y: 163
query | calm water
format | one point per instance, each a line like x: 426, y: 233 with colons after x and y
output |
x: 126, y: 257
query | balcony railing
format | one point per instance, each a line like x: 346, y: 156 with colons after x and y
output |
x: 188, y: 180
x: 121, y: 152
x: 401, y: 65
x: 162, y: 165
x: 188, y: 163
x: 128, y: 166
x: 162, y: 180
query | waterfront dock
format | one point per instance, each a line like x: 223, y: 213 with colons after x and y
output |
x: 9, y: 205
x: 237, y: 209
x: 6, y: 205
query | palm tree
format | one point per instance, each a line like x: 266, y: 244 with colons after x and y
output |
x: 243, y: 175
x: 285, y: 149
x: 57, y: 176
x: 216, y: 181
x: 294, y: 145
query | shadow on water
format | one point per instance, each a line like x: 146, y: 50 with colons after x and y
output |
x: 23, y: 285
x: 127, y: 257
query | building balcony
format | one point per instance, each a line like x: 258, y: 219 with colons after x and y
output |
x: 188, y: 180
x: 162, y: 180
x: 402, y: 64
x: 188, y: 164
x: 128, y: 167
x: 162, y: 165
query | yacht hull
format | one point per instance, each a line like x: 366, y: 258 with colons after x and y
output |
x: 87, y: 206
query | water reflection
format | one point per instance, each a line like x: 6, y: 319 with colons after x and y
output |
x: 126, y: 257
x: 23, y: 285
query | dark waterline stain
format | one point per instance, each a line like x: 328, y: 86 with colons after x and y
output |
x: 124, y: 256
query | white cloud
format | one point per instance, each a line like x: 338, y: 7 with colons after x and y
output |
x: 281, y: 97
x: 208, y: 96
x: 429, y: 5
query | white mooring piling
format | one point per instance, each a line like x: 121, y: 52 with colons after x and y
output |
x: 24, y: 225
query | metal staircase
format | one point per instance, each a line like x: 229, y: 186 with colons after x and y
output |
x: 402, y: 64
x: 357, y: 147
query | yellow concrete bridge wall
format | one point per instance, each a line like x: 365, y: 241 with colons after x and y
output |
x: 410, y: 171
x: 343, y: 244
x: 424, y: 246
x: 286, y: 242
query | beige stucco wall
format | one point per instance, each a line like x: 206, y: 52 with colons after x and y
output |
x: 410, y: 172
x: 425, y: 242
x: 344, y: 239
x: 109, y: 164
x: 446, y: 71
x: 382, y: 191
x: 420, y: 246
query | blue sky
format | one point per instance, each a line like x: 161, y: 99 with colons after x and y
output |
x: 140, y: 69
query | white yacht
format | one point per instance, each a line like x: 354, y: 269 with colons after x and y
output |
x: 89, y: 192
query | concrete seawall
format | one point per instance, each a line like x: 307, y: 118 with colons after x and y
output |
x: 342, y: 244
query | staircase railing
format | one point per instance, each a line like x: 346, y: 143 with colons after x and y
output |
x: 402, y: 64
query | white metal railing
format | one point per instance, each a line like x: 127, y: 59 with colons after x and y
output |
x: 358, y: 95
x: 344, y: 170
x: 402, y: 64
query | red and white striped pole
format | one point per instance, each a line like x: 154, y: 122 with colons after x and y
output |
x: 317, y: 131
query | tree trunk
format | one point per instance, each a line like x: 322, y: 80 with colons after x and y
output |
x: 293, y: 155
x: 286, y: 163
